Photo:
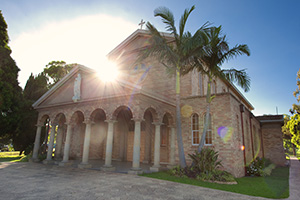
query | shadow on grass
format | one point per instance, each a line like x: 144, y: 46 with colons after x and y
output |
x: 275, y: 186
x: 11, y: 159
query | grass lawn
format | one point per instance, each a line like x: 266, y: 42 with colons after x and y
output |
x: 274, y: 186
x: 12, y: 157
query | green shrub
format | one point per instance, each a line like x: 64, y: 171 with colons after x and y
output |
x: 205, y: 166
x: 216, y: 175
x: 206, y: 161
x: 260, y: 167
x: 42, y: 157
x: 28, y: 150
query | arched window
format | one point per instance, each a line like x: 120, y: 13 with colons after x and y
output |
x: 195, y: 129
x: 208, y: 137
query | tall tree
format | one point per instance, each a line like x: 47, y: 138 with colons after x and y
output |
x: 294, y: 123
x: 174, y: 54
x: 209, y: 62
x: 56, y: 70
x: 10, y: 92
x: 287, y: 136
x: 35, y: 87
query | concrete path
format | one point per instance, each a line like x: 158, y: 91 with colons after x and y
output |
x: 38, y: 181
x: 294, y: 179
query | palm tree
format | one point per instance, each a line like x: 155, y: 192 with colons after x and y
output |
x: 209, y: 62
x: 174, y: 54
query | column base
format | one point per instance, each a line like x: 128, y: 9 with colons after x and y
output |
x: 47, y: 162
x: 155, y: 168
x: 108, y: 168
x: 145, y: 162
x: 84, y: 166
x: 171, y: 166
x: 135, y: 171
x: 35, y: 160
x: 65, y: 163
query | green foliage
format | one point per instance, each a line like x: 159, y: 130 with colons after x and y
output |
x: 206, y: 161
x: 294, y: 128
x: 260, y: 167
x: 10, y: 92
x: 204, y: 167
x: 56, y: 70
x: 292, y: 124
x: 209, y: 60
x: 174, y: 54
x: 217, y: 175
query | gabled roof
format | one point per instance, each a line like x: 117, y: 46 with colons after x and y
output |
x: 59, y: 84
x: 124, y: 83
x: 71, y: 74
x: 138, y: 33
x: 144, y: 33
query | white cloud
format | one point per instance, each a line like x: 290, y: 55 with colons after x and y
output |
x: 85, y: 40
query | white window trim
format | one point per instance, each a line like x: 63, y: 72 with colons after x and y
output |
x: 195, y: 144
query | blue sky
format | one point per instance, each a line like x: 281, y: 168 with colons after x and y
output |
x: 41, y: 31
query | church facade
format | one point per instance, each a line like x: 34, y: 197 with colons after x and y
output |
x: 133, y: 118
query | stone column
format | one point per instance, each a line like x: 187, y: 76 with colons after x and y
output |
x: 136, y: 148
x: 50, y: 147
x: 109, y: 146
x: 59, y: 139
x: 173, y: 147
x: 37, y: 143
x: 67, y: 147
x: 156, y: 165
x: 86, y: 145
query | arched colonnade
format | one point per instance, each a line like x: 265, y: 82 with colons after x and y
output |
x: 123, y: 134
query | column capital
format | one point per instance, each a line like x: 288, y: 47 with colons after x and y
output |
x: 88, y: 121
x: 171, y: 126
x: 157, y: 123
x: 69, y: 123
x: 39, y: 125
x: 138, y: 119
x: 110, y: 121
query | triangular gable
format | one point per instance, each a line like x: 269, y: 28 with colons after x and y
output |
x: 91, y: 88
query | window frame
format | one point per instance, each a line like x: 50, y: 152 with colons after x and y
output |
x: 208, y: 130
x: 194, y: 131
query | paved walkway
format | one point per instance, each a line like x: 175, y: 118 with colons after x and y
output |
x: 38, y: 181
x: 294, y: 179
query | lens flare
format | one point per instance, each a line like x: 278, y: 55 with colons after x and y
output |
x: 186, y: 110
x: 108, y: 71
x: 225, y: 133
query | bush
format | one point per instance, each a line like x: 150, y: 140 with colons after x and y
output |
x: 205, y: 166
x: 206, y: 161
x: 260, y: 167
x: 28, y: 150
x: 216, y: 175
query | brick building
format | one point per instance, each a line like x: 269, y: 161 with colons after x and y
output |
x: 133, y: 118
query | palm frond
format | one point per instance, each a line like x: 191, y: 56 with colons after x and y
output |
x: 167, y: 18
x: 158, y: 48
x: 237, y: 76
x: 183, y: 20
x: 234, y: 52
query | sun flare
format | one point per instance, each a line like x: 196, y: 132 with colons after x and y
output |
x: 108, y: 71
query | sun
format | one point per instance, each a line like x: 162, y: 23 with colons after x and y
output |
x: 107, y: 71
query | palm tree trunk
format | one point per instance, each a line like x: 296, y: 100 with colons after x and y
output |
x: 178, y: 123
x: 201, y: 144
x: 208, y: 100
